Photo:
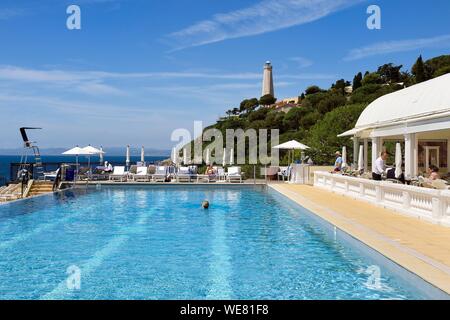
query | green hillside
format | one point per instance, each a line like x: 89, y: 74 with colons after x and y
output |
x: 324, y: 113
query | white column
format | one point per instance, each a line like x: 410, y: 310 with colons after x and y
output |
x: 410, y: 155
x: 366, y: 155
x: 448, y: 155
x: 416, y: 155
x: 376, y: 149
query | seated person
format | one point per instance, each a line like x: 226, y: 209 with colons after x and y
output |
x: 108, y: 167
x: 210, y: 170
x: 433, y: 173
x: 338, y: 162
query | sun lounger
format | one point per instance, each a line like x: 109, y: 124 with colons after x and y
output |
x: 161, y: 174
x: 284, y: 173
x: 118, y: 174
x: 11, y: 192
x: 221, y: 174
x: 83, y: 173
x: 184, y: 175
x: 234, y: 174
x: 206, y: 178
x: 141, y: 174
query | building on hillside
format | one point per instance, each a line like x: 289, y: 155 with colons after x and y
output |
x: 293, y: 100
x: 348, y: 89
x: 418, y: 116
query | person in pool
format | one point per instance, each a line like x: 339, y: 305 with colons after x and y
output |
x: 205, y: 204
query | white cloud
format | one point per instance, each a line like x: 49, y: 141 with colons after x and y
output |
x: 13, y: 73
x: 95, y: 88
x: 266, y: 16
x: 8, y: 13
x: 302, y: 62
x: 387, y: 47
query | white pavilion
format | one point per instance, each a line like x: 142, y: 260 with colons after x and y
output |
x: 418, y: 115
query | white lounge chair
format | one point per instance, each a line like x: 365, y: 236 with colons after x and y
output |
x: 118, y: 174
x: 161, y: 174
x: 141, y: 174
x: 234, y: 174
x: 221, y: 174
x: 284, y: 173
x: 206, y: 178
x: 184, y: 174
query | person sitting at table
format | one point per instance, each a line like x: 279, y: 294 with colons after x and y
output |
x: 108, y: 167
x: 433, y: 173
x: 338, y: 162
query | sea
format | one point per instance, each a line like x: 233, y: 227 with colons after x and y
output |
x: 5, y: 162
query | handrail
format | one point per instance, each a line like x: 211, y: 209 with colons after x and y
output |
x: 57, y: 181
x: 27, y: 188
x: 430, y: 204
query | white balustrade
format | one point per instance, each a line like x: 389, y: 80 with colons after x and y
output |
x: 432, y: 205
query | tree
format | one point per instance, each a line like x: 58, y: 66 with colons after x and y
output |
x: 248, y: 105
x: 274, y: 120
x: 313, y: 90
x: 418, y: 70
x: 323, y: 138
x: 372, y: 78
x: 390, y: 73
x: 357, y: 81
x: 340, y: 86
x: 371, y: 92
x: 434, y: 67
x: 292, y: 119
x: 330, y: 102
x: 267, y: 100
x: 259, y: 114
x: 442, y: 71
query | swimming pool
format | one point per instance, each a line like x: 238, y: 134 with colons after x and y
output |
x: 155, y: 242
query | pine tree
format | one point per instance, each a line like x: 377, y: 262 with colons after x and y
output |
x: 357, y: 81
x: 418, y: 70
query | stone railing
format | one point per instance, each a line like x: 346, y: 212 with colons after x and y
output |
x: 429, y: 204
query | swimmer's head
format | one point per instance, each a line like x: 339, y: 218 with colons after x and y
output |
x: 205, y: 204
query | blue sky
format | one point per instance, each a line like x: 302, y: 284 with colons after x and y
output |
x: 139, y: 69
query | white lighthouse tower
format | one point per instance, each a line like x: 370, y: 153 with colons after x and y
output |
x: 267, y: 87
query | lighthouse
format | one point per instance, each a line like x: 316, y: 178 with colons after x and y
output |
x: 267, y: 87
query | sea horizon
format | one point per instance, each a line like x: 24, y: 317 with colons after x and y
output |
x: 6, y: 160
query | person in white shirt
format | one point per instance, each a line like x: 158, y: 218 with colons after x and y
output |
x: 380, y: 166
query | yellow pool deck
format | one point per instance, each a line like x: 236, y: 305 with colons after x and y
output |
x: 418, y: 246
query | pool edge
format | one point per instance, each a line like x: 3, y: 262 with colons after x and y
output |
x: 425, y: 271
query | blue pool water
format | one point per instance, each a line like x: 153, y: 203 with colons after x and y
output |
x: 156, y: 243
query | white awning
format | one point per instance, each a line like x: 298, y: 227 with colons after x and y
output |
x: 425, y: 99
x: 292, y: 145
x: 77, y: 151
x: 349, y: 133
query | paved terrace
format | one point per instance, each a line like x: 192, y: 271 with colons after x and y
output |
x: 418, y: 246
